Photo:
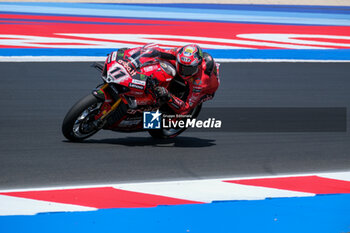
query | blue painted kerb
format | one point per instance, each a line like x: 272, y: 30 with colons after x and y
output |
x: 320, y: 214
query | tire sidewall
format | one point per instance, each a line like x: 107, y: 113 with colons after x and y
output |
x: 72, y: 115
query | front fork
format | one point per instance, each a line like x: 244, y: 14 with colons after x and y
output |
x: 101, y: 94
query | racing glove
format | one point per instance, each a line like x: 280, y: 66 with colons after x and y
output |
x: 162, y: 93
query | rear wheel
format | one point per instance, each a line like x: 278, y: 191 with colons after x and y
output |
x: 171, y: 133
x: 79, y: 121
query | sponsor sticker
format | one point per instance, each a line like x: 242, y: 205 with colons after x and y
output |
x: 126, y: 65
x: 185, y: 59
x: 133, y: 51
x: 197, y: 90
x: 143, y: 77
x: 150, y: 68
x: 114, y: 56
x: 197, y: 81
x: 120, y: 54
x: 136, y: 86
x: 189, y: 51
x: 139, y: 82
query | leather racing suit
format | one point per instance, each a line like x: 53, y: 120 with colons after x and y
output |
x: 202, y: 86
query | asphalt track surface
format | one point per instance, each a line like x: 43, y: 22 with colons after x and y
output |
x: 35, y: 97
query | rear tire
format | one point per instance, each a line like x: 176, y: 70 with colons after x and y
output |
x: 171, y: 133
x: 77, y: 125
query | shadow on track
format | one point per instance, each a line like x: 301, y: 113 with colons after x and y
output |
x: 146, y: 141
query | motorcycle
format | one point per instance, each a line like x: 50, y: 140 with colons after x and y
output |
x: 129, y: 78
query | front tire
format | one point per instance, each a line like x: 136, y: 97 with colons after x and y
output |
x: 78, y: 123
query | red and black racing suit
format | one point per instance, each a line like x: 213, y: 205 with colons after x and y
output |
x: 202, y: 86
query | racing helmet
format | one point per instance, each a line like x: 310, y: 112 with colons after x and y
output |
x: 188, y: 60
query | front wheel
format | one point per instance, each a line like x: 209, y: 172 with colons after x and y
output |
x: 79, y: 121
x: 171, y: 133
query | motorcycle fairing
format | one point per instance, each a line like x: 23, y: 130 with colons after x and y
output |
x: 131, y: 68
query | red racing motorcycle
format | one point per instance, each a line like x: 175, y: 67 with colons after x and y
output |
x: 129, y: 78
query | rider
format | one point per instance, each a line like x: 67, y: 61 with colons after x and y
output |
x: 199, y: 72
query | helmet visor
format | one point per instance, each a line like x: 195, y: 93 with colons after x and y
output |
x: 186, y: 71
